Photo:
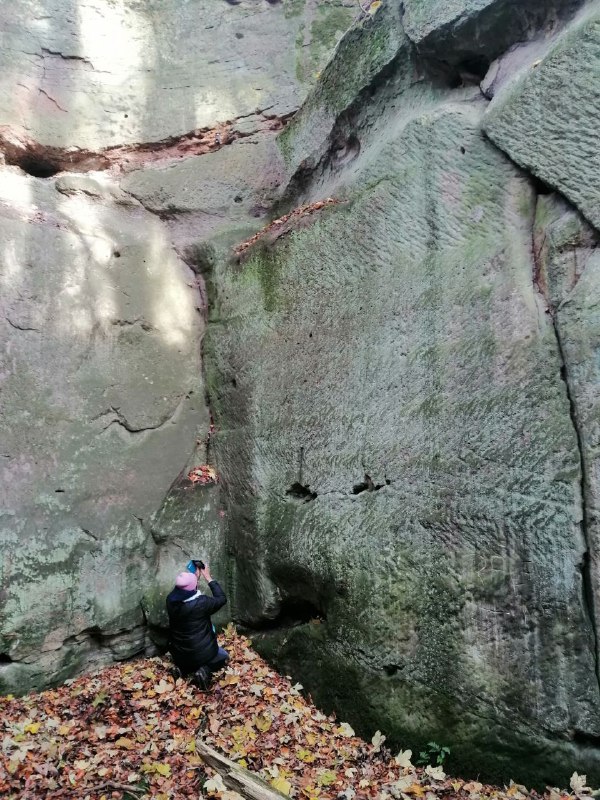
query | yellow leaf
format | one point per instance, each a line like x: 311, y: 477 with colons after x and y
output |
x: 263, y: 722
x: 374, y: 6
x: 345, y: 730
x: 416, y: 789
x: 281, y: 785
x: 160, y: 769
x: 63, y: 730
x: 191, y: 746
x: 100, y: 698
x: 326, y: 777
x: 33, y: 727
x: 126, y: 744
x: 13, y: 766
x: 306, y: 756
x: 230, y: 680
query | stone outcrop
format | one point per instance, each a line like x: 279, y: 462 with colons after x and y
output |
x: 396, y: 381
x: 546, y: 119
x: 103, y: 305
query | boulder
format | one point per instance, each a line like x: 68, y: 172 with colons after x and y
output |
x: 102, y: 406
x: 547, y: 119
x: 88, y: 76
x: 470, y: 33
x: 403, y: 470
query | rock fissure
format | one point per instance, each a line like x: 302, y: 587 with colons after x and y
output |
x: 43, y: 161
x: 19, y: 327
x: 586, y: 575
x: 52, y: 100
x: 45, y: 51
x: 585, y: 566
x: 120, y: 420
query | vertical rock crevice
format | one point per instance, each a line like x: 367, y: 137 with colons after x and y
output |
x: 552, y: 309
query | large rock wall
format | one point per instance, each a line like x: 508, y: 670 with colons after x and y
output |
x: 102, y: 305
x: 403, y: 384
x: 402, y: 381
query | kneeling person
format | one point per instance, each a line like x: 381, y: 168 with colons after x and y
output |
x: 193, y: 641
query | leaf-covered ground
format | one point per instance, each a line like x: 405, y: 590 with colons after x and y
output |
x: 130, y: 731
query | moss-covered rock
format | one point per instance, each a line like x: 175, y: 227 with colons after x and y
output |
x: 397, y: 390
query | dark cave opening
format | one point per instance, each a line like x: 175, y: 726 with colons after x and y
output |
x: 35, y: 166
x: 293, y: 611
x: 300, y: 492
x: 367, y: 485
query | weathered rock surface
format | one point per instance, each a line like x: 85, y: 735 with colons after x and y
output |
x: 404, y: 380
x: 568, y: 274
x: 101, y: 404
x: 547, y: 120
x: 397, y: 390
x: 98, y: 74
x: 471, y: 32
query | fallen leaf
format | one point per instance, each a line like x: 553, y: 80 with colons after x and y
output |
x: 403, y: 759
x: 32, y: 727
x: 281, y: 785
x: 377, y: 740
x: 436, y: 773
x: 214, y: 784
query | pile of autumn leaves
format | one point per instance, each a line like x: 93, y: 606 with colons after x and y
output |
x: 130, y: 731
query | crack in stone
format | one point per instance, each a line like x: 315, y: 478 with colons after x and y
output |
x: 88, y: 532
x: 47, y: 52
x: 45, y: 93
x: 20, y: 327
x: 44, y: 161
x: 585, y: 567
x: 120, y: 420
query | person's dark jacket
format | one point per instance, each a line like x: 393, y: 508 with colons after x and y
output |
x: 193, y: 641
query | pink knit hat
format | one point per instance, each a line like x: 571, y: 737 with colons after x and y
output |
x: 186, y: 580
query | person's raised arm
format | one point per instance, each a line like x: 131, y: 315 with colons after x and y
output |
x: 218, y: 599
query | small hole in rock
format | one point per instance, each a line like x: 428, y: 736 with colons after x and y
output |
x: 234, y: 383
x: 59, y: 491
x: 5, y: 658
x: 473, y: 68
x: 310, y: 335
x: 366, y: 486
x: 126, y: 115
x: 347, y: 151
x: 586, y: 738
x: 239, y: 36
x: 38, y: 168
x: 462, y: 150
x: 237, y: 198
x: 391, y: 669
x: 117, y: 254
x: 540, y: 186
x: 301, y: 492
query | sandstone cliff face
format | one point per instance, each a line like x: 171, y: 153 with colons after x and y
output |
x: 102, y: 401
x: 402, y: 382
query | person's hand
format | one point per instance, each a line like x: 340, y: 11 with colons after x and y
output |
x: 206, y: 574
